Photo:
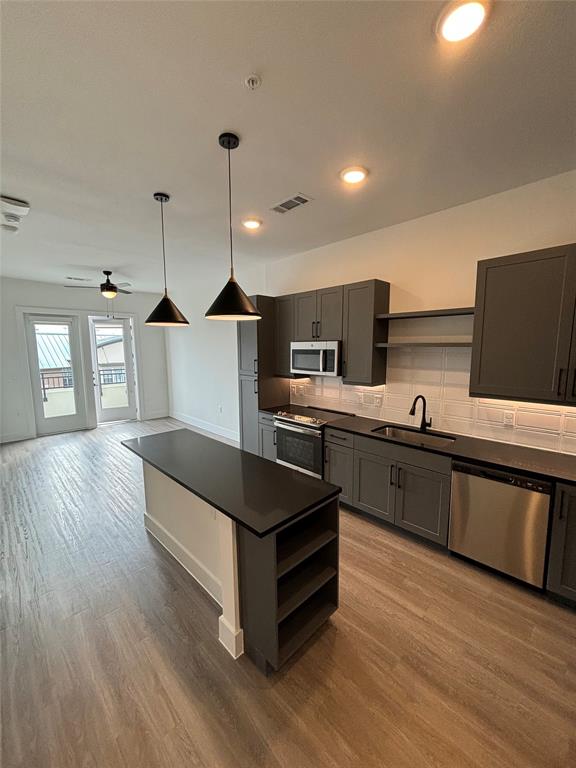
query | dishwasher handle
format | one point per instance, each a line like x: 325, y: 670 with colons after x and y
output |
x: 502, y: 476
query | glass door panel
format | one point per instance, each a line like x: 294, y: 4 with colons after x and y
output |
x: 112, y: 357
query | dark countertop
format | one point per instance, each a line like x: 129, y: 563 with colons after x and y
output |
x: 546, y: 464
x: 256, y: 493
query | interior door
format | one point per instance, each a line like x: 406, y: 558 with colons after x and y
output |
x: 57, y: 379
x: 113, y: 368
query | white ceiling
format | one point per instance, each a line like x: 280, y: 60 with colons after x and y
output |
x: 106, y: 102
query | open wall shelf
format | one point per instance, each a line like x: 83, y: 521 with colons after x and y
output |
x: 452, y: 312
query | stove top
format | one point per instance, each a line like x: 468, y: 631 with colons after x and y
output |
x: 312, y: 417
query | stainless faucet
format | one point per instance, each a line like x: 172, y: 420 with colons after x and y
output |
x: 424, y: 424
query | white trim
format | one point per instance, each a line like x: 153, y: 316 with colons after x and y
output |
x: 230, y: 631
x: 187, y: 560
x: 232, y: 639
x: 16, y: 437
x: 163, y: 414
x: 207, y: 426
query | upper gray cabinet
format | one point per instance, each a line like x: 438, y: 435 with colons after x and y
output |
x: 524, y: 344
x: 248, y: 347
x: 362, y: 362
x: 318, y: 315
x: 284, y: 333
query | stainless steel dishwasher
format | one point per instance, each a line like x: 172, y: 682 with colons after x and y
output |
x: 500, y: 519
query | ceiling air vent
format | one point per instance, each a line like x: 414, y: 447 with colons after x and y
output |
x: 293, y: 202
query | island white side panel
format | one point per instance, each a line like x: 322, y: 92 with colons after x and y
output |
x: 186, y: 526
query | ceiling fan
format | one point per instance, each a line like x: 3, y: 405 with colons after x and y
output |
x: 108, y: 289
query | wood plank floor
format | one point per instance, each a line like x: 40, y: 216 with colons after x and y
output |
x: 110, y: 657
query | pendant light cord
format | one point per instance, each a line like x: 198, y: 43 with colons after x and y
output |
x: 230, y: 215
x: 163, y: 246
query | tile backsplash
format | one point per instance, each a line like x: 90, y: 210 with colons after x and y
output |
x: 442, y: 376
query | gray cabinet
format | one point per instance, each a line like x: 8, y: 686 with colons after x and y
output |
x: 373, y: 485
x: 422, y: 502
x: 339, y: 469
x: 248, y: 347
x: 524, y: 326
x: 259, y: 387
x: 362, y: 361
x: 266, y: 436
x: 318, y: 314
x: 305, y: 316
x: 562, y: 563
x: 284, y: 333
x: 248, y: 393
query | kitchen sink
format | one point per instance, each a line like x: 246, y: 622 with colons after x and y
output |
x: 413, y: 436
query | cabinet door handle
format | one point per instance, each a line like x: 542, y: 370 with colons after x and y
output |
x: 391, y: 474
x: 559, y: 389
x: 313, y: 324
x: 325, y: 454
x: 317, y: 329
x: 255, y: 386
x: 274, y: 438
x: 398, y: 476
x: 255, y: 365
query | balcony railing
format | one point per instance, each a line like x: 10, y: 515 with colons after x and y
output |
x: 63, y: 378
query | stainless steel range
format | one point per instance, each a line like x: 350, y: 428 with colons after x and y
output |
x: 299, y: 437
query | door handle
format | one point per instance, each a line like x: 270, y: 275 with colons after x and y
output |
x: 255, y: 386
x: 274, y: 440
x: 325, y: 454
x: 318, y: 325
x: 255, y: 365
x: 391, y: 474
x: 313, y: 324
x: 398, y: 476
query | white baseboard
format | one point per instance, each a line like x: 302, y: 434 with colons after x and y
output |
x: 147, y: 415
x: 195, y: 568
x: 17, y: 436
x: 231, y: 639
x: 207, y: 426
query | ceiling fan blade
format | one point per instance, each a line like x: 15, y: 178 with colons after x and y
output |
x: 92, y: 287
x: 123, y: 285
x: 121, y: 290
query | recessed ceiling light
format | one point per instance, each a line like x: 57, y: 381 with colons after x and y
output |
x: 461, y: 19
x: 252, y: 224
x: 353, y: 175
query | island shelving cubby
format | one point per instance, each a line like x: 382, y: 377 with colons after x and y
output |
x: 289, y: 584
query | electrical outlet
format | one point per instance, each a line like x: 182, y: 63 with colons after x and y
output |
x: 508, y: 418
x: 220, y: 408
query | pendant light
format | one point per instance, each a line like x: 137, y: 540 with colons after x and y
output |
x: 166, y: 313
x: 231, y: 303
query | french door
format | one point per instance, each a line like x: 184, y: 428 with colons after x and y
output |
x: 57, y: 378
x: 113, y: 368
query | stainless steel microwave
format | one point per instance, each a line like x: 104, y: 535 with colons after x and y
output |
x: 315, y: 358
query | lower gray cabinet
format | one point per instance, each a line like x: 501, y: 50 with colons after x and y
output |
x: 267, y: 441
x: 422, y: 502
x: 339, y: 469
x: 562, y: 562
x: 248, y: 395
x: 373, y: 488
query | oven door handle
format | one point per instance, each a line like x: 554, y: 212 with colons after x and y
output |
x: 311, y: 432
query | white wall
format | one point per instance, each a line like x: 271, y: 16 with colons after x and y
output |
x: 431, y: 263
x: 203, y: 359
x: 16, y: 408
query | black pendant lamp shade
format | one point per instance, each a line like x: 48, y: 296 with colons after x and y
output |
x: 231, y: 303
x: 166, y: 313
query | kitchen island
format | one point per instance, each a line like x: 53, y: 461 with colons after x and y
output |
x: 260, y: 538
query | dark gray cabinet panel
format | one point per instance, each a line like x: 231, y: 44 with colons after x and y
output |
x: 284, y: 332
x: 373, y: 489
x: 523, y: 326
x: 571, y: 385
x: 362, y: 362
x: 248, y: 347
x: 267, y: 441
x: 339, y: 469
x: 422, y: 502
x: 248, y: 394
x: 329, y: 313
x: 562, y: 563
x: 305, y: 316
